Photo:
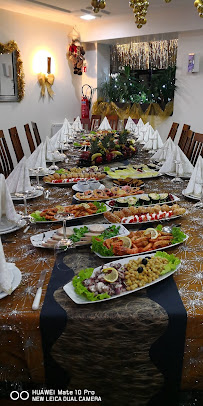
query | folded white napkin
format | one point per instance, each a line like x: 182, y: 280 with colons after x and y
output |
x: 19, y: 179
x: 164, y: 151
x: 37, y: 158
x: 195, y: 186
x: 171, y: 165
x: 77, y: 126
x: 154, y: 141
x: 140, y: 123
x: 7, y: 208
x: 105, y: 125
x: 66, y: 127
x: 6, y: 275
x: 51, y: 154
x: 130, y: 124
x: 142, y: 131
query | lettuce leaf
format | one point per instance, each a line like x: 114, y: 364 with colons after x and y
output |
x: 101, y: 207
x: 81, y: 290
x: 178, y: 235
x: 111, y: 231
x: 173, y: 261
x: 98, y: 246
x: 37, y: 217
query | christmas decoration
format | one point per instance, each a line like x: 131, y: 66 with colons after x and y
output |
x: 199, y: 5
x: 98, y: 5
x: 76, y: 54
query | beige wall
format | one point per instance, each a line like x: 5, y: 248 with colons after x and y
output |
x: 32, y: 35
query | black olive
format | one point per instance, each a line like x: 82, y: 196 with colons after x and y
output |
x: 144, y: 261
x: 140, y: 269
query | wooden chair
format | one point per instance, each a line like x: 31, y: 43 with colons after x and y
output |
x: 36, y: 133
x: 29, y: 138
x: 183, y: 136
x: 196, y: 148
x: 6, y: 161
x: 95, y: 122
x: 113, y: 121
x: 188, y: 141
x: 173, y: 131
x: 16, y: 143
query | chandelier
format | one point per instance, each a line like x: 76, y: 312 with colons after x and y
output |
x: 140, y: 9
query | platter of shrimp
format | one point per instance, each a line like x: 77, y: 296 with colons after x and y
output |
x: 107, y: 193
x: 133, y: 215
x: 137, y: 242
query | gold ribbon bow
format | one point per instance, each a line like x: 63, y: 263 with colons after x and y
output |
x: 46, y: 81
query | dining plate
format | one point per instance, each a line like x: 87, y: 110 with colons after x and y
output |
x: 37, y: 239
x: 77, y: 189
x: 66, y: 182
x: 71, y: 219
x: 185, y: 176
x: 70, y: 291
x: 16, y: 278
x: 31, y: 195
x: 191, y: 196
x: 41, y: 174
x: 99, y: 199
x: 10, y: 226
x: 146, y: 253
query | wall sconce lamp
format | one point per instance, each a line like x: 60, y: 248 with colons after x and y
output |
x: 46, y: 80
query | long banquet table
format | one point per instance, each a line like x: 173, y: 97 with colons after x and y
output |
x: 21, y: 351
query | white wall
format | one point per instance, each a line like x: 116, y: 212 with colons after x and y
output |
x: 188, y: 96
x: 32, y: 35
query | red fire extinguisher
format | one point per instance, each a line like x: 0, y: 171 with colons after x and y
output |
x: 86, y: 102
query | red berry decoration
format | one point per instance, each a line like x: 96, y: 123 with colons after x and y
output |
x: 99, y: 160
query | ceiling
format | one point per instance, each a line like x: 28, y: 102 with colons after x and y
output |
x: 69, y: 11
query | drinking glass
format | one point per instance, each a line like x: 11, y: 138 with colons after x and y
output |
x: 200, y: 203
x: 53, y: 166
x: 61, y: 247
x: 177, y: 178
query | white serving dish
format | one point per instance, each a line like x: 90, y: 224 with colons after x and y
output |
x: 70, y: 291
x: 16, y: 278
x: 37, y: 239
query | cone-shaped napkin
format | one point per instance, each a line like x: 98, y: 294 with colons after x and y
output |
x: 6, y: 275
x: 177, y: 160
x: 37, y: 158
x: 140, y: 123
x: 142, y: 131
x: 195, y: 186
x: 77, y: 126
x: 105, y: 125
x: 7, y: 209
x: 154, y: 142
x: 61, y: 136
x: 19, y: 180
x: 164, y: 151
x: 130, y: 125
x: 51, y: 154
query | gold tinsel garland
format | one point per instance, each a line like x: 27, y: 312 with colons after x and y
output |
x: 154, y: 114
x: 8, y: 48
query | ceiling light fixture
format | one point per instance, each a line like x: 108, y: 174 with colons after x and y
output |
x: 87, y: 17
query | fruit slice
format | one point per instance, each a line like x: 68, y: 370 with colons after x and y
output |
x: 127, y: 243
x: 154, y: 233
x: 111, y: 274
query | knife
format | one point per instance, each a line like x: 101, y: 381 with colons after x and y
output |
x: 37, y: 298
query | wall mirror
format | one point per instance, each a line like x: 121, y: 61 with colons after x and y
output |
x: 12, y: 83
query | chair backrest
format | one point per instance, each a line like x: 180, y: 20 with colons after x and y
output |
x: 113, y: 121
x: 188, y: 141
x: 86, y: 123
x: 95, y: 122
x: 173, y: 131
x: 196, y: 148
x: 29, y: 138
x: 36, y: 133
x: 16, y: 143
x: 6, y: 161
x: 183, y: 136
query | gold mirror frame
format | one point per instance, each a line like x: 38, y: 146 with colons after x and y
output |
x: 12, y: 47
